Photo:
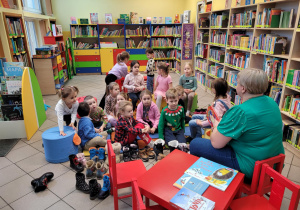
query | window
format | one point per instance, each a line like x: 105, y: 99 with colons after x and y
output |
x: 32, y: 6
x: 31, y: 34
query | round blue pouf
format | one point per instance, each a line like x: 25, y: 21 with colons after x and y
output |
x: 58, y: 148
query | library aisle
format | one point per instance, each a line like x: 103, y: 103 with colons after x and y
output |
x: 26, y: 161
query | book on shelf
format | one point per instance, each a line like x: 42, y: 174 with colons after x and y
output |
x: 208, y: 7
x: 12, y: 99
x: 12, y: 112
x: 170, y: 54
x: 59, y: 30
x: 200, y: 77
x: 201, y: 64
x: 177, y: 18
x: 2, y: 60
x: 13, y: 69
x: 270, y: 44
x: 218, y: 37
x: 243, y: 20
x: 108, y: 18
x: 219, y: 21
x: 168, y: 20
x: 275, y: 68
x: 134, y: 18
x: 286, y: 123
x: 108, y: 45
x: 14, y: 26
x: 293, y: 136
x: 166, y: 31
x: 240, y: 40
x: 84, y: 30
x: 162, y: 42
x: 148, y: 20
x: 215, y: 70
x: 141, y: 21
x: 154, y: 20
x: 202, y: 36
x: 217, y: 55
x: 138, y: 31
x: 203, y: 22
x: 201, y: 50
x: 73, y: 20
x: 94, y: 18
x: 83, y: 21
x: 231, y: 77
x: 186, y: 16
x: 187, y: 199
x: 235, y: 98
x: 275, y: 18
x: 82, y: 45
x: 8, y: 4
x: 118, y: 32
x: 238, y: 60
x: 275, y: 93
x: 125, y: 17
x: 201, y: 6
x: 160, y: 20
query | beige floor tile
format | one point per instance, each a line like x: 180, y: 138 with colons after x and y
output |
x: 294, y: 174
x: 108, y: 203
x: 288, y: 157
x: 41, y: 200
x: 7, y: 208
x: 60, y: 205
x: 47, y: 124
x: 296, y: 161
x: 36, y: 137
x: 63, y: 185
x: 285, y: 204
x: 286, y: 170
x: 19, y: 145
x: 32, y: 163
x: 2, y: 203
x: 9, y: 174
x: 288, y: 193
x: 79, y: 200
x: 22, y: 153
x: 38, y: 145
x: 56, y: 169
x: 4, y: 162
x: 16, y: 189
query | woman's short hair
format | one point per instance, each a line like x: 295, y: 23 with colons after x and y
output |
x: 254, y: 80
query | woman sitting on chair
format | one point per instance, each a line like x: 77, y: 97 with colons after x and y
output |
x: 247, y: 132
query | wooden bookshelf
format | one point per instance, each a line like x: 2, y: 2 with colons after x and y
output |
x: 256, y: 59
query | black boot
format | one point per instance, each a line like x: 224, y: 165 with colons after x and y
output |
x: 159, y: 149
x: 126, y: 154
x: 173, y: 145
x: 134, y: 151
x: 75, y: 164
x: 40, y: 184
x: 95, y: 189
x: 105, y: 189
x: 81, y: 184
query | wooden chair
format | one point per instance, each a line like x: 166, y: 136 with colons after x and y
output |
x: 121, y: 174
x: 252, y: 189
x: 258, y: 201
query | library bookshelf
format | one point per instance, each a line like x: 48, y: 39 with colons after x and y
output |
x: 256, y: 58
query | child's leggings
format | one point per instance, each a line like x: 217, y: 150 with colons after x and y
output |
x: 145, y: 138
x: 190, y: 98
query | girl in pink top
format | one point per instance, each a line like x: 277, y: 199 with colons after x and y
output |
x: 147, y: 111
x: 163, y: 82
x: 221, y: 104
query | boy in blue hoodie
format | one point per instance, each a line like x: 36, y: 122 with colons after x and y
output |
x: 86, y: 130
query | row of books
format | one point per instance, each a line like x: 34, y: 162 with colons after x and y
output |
x: 216, y: 55
x: 162, y: 42
x: 177, y: 43
x: 218, y: 37
x: 177, y: 66
x: 208, y: 83
x: 201, y: 64
x: 203, y: 22
x: 219, y: 21
x: 84, y: 31
x: 201, y: 50
x: 21, y: 58
x: 231, y: 77
x: 240, y: 40
x: 293, y: 78
x: 275, y: 18
x: 139, y: 31
x: 142, y: 44
x: 202, y: 36
x: 275, y: 69
x: 235, y: 98
x: 238, y: 60
x: 14, y: 26
x: 10, y: 4
x: 291, y: 133
x: 178, y: 54
x: 244, y: 19
x: 162, y: 54
x: 82, y: 45
x: 244, y: 2
x: 200, y: 77
x: 106, y: 32
x: 270, y: 44
x: 291, y: 104
x: 275, y: 93
x: 215, y: 69
x: 166, y: 31
x: 17, y: 45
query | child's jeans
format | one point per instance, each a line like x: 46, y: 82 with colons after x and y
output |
x: 190, y: 98
x: 174, y: 135
x: 196, y: 130
x: 134, y: 98
x: 150, y: 80
x: 145, y: 138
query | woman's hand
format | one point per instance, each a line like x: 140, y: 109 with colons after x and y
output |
x: 61, y: 133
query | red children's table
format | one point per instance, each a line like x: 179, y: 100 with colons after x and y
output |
x: 157, y: 183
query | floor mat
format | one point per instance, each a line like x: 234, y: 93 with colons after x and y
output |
x: 6, y: 145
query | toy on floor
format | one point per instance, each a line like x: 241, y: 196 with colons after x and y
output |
x: 40, y: 184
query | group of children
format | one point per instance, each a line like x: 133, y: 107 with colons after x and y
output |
x: 118, y: 110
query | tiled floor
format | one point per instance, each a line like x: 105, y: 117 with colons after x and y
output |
x: 26, y: 161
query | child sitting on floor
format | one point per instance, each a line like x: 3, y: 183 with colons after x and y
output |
x: 97, y: 115
x: 112, y: 90
x: 66, y: 108
x: 134, y: 82
x: 86, y: 130
x: 147, y: 111
x: 128, y: 128
x: 171, y: 125
x: 221, y: 104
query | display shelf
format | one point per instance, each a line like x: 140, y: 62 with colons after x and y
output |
x: 284, y: 56
x: 233, y: 67
x: 276, y: 29
x: 288, y: 115
x: 201, y: 70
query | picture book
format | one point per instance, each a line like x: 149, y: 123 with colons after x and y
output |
x: 2, y: 60
x: 14, y: 87
x: 168, y: 20
x: 108, y: 18
x: 177, y: 18
x: 182, y: 181
x: 186, y: 199
x: 211, y: 115
x: 73, y: 20
x: 154, y: 21
x: 13, y: 68
x: 140, y: 20
x: 215, y: 174
x: 148, y: 20
x: 94, y: 18
x: 83, y: 21
x: 160, y: 20
x: 59, y: 29
x: 125, y: 17
x: 12, y: 99
x: 134, y: 18
x: 186, y: 16
x: 196, y: 185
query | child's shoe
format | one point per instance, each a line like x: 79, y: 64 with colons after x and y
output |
x: 150, y: 153
x: 81, y: 159
x: 81, y: 184
x: 183, y: 147
x: 93, y: 152
x: 75, y: 164
x: 143, y: 155
x: 173, y: 145
x: 101, y: 154
x: 133, y: 151
x: 98, y: 172
x: 40, y: 184
x: 90, y: 169
x: 95, y: 188
x: 126, y: 154
x: 159, y: 149
x: 105, y: 189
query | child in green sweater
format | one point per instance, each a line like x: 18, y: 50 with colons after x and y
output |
x: 171, y: 124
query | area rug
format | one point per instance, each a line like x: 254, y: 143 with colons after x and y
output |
x: 6, y: 145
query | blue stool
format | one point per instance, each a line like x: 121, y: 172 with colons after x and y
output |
x: 58, y: 148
